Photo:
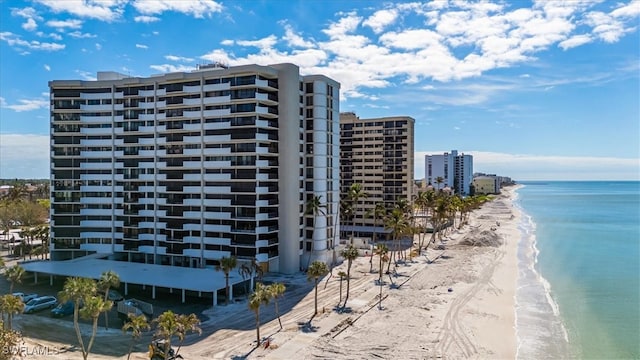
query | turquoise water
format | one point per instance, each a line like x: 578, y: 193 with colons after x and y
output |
x: 579, y: 270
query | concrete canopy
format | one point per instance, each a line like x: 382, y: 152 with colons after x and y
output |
x: 194, y: 279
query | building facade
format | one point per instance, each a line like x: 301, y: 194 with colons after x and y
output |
x: 183, y: 169
x: 451, y: 170
x: 378, y: 154
x: 486, y: 184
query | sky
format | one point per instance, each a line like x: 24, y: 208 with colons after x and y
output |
x: 534, y: 90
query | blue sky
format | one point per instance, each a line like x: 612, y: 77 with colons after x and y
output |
x: 534, y: 90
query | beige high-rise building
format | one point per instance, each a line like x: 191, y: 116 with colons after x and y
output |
x: 378, y: 154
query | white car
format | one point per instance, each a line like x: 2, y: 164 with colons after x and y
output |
x: 25, y: 297
x: 41, y: 303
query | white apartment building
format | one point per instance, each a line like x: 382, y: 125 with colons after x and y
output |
x: 182, y: 169
x: 449, y: 170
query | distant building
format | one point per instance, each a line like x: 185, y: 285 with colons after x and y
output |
x: 486, y: 184
x: 378, y: 154
x: 450, y: 170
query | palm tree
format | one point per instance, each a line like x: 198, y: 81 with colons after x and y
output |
x: 316, y: 270
x: 259, y: 297
x: 226, y: 265
x: 93, y: 307
x: 245, y: 272
x: 396, y: 222
x: 315, y: 208
x: 346, y: 213
x: 439, y: 181
x: 381, y: 250
x: 14, y: 274
x: 378, y: 212
x: 355, y: 194
x: 168, y: 325
x: 383, y: 258
x: 276, y: 291
x: 350, y: 253
x: 10, y: 304
x: 78, y: 290
x: 422, y: 204
x: 137, y: 324
x: 108, y: 279
x: 186, y: 324
x: 42, y: 233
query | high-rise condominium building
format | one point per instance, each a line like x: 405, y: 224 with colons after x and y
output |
x: 376, y: 153
x: 450, y: 170
x: 185, y: 168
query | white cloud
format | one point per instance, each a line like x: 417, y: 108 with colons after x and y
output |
x: 380, y: 19
x: 105, y: 10
x: 168, y: 68
x: 460, y: 40
x: 606, y: 27
x: 146, y: 19
x: 178, y: 58
x: 27, y: 13
x: 62, y: 24
x: 24, y: 156
x: 81, y: 35
x: 295, y: 40
x: 632, y: 9
x: 98, y: 46
x: 196, y: 8
x: 47, y: 67
x: 86, y: 75
x: 575, y: 41
x: 264, y: 43
x: 15, y: 41
x: 142, y: 46
x: 30, y: 25
x: 54, y: 36
x: 545, y: 167
x: 25, y: 104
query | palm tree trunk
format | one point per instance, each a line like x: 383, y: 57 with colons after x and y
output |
x: 130, y: 348
x: 316, y: 299
x: 258, y: 327
x: 278, y: 313
x: 226, y: 288
x: 76, y: 325
x: 346, y: 297
x: 93, y: 336
x: 106, y: 313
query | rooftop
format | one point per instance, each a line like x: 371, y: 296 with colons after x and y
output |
x: 194, y: 279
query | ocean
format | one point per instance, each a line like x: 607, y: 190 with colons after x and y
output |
x: 579, y: 270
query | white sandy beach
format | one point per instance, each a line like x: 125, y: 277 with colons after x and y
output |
x: 420, y: 318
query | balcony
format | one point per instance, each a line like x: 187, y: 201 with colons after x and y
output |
x: 214, y: 100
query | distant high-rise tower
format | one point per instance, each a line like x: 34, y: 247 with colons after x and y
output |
x: 376, y: 153
x: 450, y: 170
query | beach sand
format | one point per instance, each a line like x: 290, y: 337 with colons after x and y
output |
x: 456, y: 302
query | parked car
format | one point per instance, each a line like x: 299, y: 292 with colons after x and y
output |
x: 114, y: 295
x: 62, y: 309
x: 41, y: 303
x: 25, y: 297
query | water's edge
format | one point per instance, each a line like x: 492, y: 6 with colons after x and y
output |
x: 540, y: 332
